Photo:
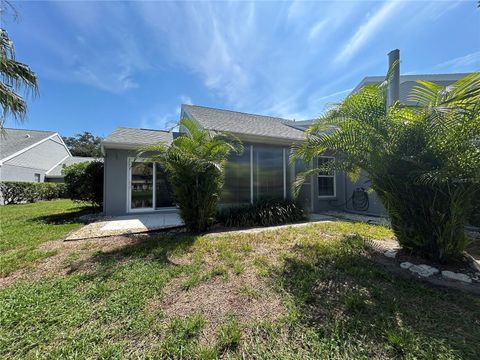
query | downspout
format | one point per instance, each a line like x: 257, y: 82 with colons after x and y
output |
x: 394, y: 83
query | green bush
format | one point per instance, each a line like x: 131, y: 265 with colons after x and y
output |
x: 262, y: 213
x: 84, y: 182
x: 474, y: 218
x: 16, y: 192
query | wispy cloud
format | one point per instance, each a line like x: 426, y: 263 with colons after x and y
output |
x: 467, y: 62
x: 316, y: 29
x: 109, y: 61
x: 366, y: 30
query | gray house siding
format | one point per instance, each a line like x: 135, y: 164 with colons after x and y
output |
x: 20, y: 173
x: 375, y: 206
x: 115, y: 181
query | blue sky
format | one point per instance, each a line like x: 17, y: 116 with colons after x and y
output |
x: 102, y: 65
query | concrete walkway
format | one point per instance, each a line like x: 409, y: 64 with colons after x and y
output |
x: 130, y: 224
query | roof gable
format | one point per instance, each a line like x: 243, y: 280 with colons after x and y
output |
x: 13, y: 141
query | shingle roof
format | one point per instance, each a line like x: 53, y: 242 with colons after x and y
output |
x: 408, y: 82
x: 14, y: 140
x: 57, y: 170
x: 242, y: 123
x: 137, y: 137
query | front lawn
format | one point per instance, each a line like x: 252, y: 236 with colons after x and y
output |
x: 306, y: 292
x: 24, y: 227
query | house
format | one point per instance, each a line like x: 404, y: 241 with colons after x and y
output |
x: 33, y: 156
x: 263, y: 170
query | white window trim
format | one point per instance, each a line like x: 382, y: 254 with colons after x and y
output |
x: 333, y: 176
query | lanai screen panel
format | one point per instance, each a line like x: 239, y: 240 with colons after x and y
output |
x: 268, y: 172
x: 236, y: 189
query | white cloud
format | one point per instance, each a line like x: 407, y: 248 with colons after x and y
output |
x: 366, y: 30
x: 185, y: 99
x: 316, y: 29
x: 463, y: 63
x: 329, y: 96
x: 103, y: 54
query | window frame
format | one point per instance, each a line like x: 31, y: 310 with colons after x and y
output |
x: 332, y: 176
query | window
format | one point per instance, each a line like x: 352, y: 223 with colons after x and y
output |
x: 36, y: 177
x: 326, y: 179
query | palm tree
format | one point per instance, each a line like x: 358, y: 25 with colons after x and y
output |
x: 15, y: 77
x: 423, y: 161
x: 194, y: 164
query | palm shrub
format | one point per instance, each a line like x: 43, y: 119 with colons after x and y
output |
x: 423, y: 160
x: 195, y: 164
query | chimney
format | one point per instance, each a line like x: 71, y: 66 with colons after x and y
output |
x: 394, y: 85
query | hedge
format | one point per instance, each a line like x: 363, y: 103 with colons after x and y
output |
x: 16, y: 192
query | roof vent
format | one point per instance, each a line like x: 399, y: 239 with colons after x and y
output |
x: 27, y: 136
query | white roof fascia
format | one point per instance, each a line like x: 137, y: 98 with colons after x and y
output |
x: 54, y: 166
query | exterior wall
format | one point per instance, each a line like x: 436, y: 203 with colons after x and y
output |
x: 115, y: 181
x: 116, y: 172
x: 19, y: 173
x: 44, y: 156
x: 375, y: 206
x: 334, y: 203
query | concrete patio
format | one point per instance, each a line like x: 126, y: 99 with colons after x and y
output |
x: 129, y: 224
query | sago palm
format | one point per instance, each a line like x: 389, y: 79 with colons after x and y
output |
x: 194, y: 164
x: 423, y: 160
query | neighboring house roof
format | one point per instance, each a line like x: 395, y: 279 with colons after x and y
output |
x: 128, y: 138
x: 15, y: 141
x: 301, y: 124
x: 408, y: 82
x: 243, y: 123
x: 56, y: 171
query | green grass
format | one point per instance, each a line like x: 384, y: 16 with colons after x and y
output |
x: 337, y: 303
x: 24, y: 227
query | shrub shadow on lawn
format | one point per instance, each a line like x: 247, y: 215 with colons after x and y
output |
x: 65, y: 217
x: 154, y: 248
x: 343, y: 295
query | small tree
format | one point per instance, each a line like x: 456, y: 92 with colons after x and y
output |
x: 84, y: 144
x: 423, y: 161
x: 194, y: 164
x: 84, y: 182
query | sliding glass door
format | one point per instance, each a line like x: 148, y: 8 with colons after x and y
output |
x: 163, y: 193
x: 141, y: 186
x: 148, y: 188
